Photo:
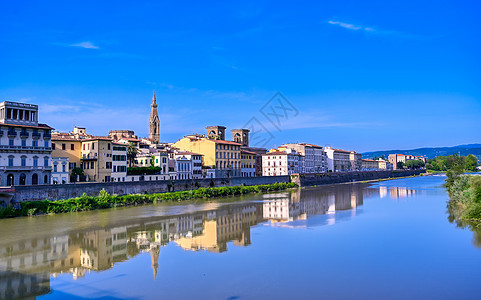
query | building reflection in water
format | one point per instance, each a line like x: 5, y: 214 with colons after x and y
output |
x: 304, y: 203
x: 26, y: 266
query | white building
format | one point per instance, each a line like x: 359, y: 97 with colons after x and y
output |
x: 314, y: 158
x: 119, y: 162
x: 60, y: 170
x: 280, y: 163
x: 337, y: 159
x: 25, y: 147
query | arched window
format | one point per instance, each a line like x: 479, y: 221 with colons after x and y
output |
x: 34, y: 179
x: 23, y: 179
x: 10, y: 180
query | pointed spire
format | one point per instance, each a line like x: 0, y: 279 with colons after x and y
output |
x: 154, y: 101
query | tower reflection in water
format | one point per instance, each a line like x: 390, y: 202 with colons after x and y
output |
x: 27, y: 265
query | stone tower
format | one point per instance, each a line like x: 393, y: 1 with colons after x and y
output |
x: 216, y: 132
x: 154, y: 122
x: 241, y: 136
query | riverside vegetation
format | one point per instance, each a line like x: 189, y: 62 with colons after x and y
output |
x: 105, y: 200
x: 464, y: 191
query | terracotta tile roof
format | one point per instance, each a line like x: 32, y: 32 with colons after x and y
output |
x: 224, y: 142
x: 248, y: 152
x: 188, y: 153
x: 40, y: 126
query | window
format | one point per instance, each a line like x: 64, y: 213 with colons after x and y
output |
x: 45, y: 162
x: 84, y: 146
x: 10, y: 161
x: 23, y: 160
x: 72, y: 165
x: 10, y: 142
x: 91, y: 165
x: 64, y: 168
x: 55, y: 167
x: 46, y: 145
x: 34, y: 143
x: 24, y: 143
x: 72, y: 147
x: 53, y: 146
x: 35, y: 161
x: 108, y: 146
x: 63, y: 147
x: 93, y: 146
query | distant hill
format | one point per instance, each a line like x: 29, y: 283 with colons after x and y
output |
x: 463, y: 150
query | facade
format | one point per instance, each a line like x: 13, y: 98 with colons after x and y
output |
x: 119, y: 134
x: 370, y: 165
x: 183, y: 166
x: 25, y: 146
x: 119, y: 162
x: 223, y: 156
x: 248, y: 163
x: 64, y: 145
x: 384, y: 164
x: 277, y: 163
x: 154, y: 122
x: 195, y: 158
x: 338, y: 160
x: 60, y: 170
x: 314, y: 160
x: 356, y: 161
x: 96, y: 159
x: 394, y: 159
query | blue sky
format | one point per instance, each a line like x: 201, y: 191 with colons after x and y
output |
x: 363, y: 75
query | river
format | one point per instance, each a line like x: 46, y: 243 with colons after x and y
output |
x: 384, y: 240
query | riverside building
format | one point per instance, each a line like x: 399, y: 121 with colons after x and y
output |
x: 25, y: 146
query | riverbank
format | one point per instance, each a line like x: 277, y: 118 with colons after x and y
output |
x: 105, y: 200
x: 465, y: 199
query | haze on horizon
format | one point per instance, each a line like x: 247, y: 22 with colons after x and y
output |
x: 363, y: 75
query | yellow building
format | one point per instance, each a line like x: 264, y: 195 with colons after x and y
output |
x: 248, y: 163
x: 223, y: 156
x: 97, y: 159
x: 67, y: 146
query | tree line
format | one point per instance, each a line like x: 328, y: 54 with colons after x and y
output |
x: 453, y: 162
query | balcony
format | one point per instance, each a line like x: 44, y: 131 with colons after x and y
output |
x: 25, y: 168
x: 12, y: 133
x: 90, y: 156
x: 27, y: 148
x: 35, y: 135
x: 47, y: 136
x: 24, y: 134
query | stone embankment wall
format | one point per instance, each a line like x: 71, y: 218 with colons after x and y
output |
x: 341, y: 177
x: 65, y: 191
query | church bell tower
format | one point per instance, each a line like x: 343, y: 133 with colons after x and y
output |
x: 154, y: 122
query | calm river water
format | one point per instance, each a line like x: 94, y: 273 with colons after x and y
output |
x: 386, y: 240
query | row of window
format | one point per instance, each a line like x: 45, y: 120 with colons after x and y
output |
x: 23, y: 161
x: 223, y: 155
x: 227, y: 147
x: 224, y: 165
x: 11, y: 142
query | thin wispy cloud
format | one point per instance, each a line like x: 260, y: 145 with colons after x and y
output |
x: 351, y: 26
x: 86, y: 45
x: 372, y: 30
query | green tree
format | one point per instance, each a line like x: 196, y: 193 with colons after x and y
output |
x: 131, y: 154
x: 152, y: 161
x: 77, y: 174
x: 470, y: 163
x: 414, y: 164
x: 400, y: 165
